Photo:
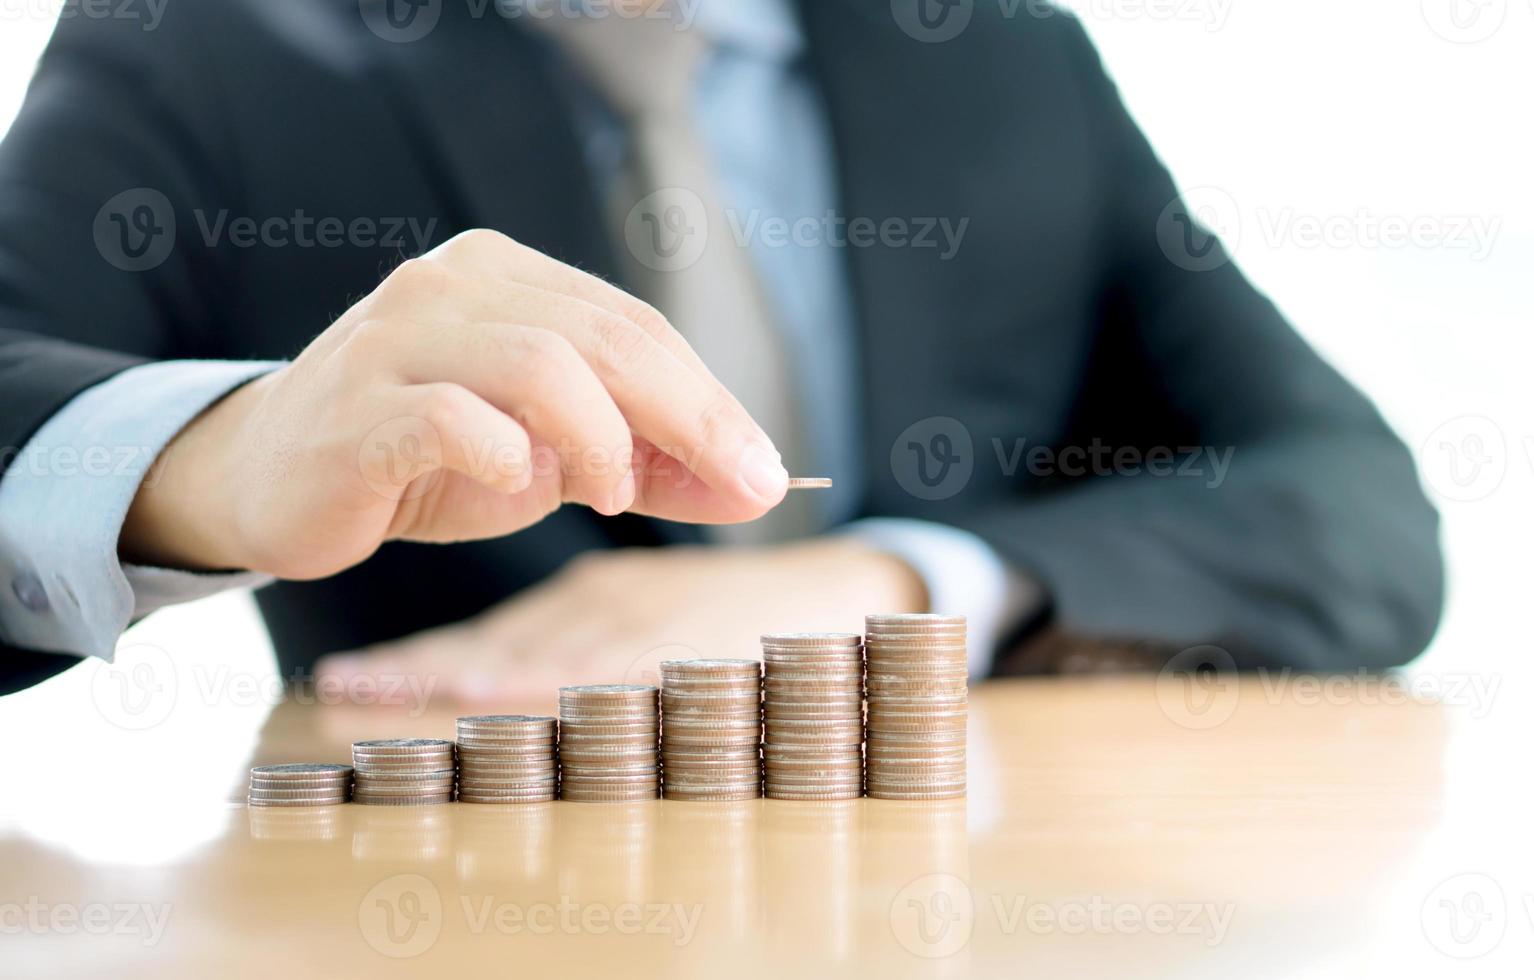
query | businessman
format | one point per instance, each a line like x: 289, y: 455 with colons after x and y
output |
x: 484, y: 338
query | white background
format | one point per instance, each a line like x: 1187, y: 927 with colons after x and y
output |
x: 1344, y: 114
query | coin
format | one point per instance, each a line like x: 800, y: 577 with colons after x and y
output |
x: 882, y: 793
x: 918, y: 711
x: 592, y: 693
x: 811, y: 639
x: 588, y: 796
x: 530, y: 725
x: 319, y: 799
x: 786, y: 793
x: 403, y: 800
x: 402, y: 771
x: 304, y: 784
x: 403, y: 746
x: 609, y: 741
x: 300, y: 784
x: 711, y: 729
x: 809, y: 483
x: 337, y: 801
x: 541, y: 796
x: 875, y: 621
x: 303, y: 770
x: 507, y: 759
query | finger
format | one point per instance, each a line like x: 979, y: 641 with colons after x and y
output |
x: 492, y: 254
x: 539, y: 379
x: 489, y: 255
x: 666, y: 488
x: 692, y: 418
x: 470, y: 436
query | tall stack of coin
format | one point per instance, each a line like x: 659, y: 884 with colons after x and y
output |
x: 812, y: 745
x: 609, y: 743
x: 711, y: 713
x: 507, y: 759
x: 918, y: 706
x: 403, y: 771
x: 300, y: 784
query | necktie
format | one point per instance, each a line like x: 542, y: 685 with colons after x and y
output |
x: 668, y: 213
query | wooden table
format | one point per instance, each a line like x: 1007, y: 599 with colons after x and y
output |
x: 1128, y: 828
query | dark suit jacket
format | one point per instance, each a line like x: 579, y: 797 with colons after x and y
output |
x: 1060, y: 320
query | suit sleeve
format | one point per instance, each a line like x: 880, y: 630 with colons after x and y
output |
x: 98, y: 266
x: 1316, y: 549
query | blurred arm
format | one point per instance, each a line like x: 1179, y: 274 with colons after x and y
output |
x: 963, y: 576
x: 1316, y: 549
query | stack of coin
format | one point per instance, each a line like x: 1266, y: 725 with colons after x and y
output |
x: 812, y: 744
x: 918, y: 706
x: 403, y: 771
x: 609, y: 743
x: 300, y: 784
x: 711, y: 717
x: 507, y: 759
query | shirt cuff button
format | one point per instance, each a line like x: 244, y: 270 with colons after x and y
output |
x: 29, y: 591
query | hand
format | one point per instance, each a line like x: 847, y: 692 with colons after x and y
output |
x: 469, y: 396
x: 611, y: 617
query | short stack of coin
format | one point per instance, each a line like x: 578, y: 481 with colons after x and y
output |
x: 507, y: 759
x: 812, y: 745
x: 300, y: 784
x: 609, y: 743
x: 711, y: 717
x: 403, y: 771
x: 918, y: 706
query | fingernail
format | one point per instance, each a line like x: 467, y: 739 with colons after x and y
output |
x: 764, y: 473
x: 623, y: 497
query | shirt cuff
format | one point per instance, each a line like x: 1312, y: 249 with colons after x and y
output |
x: 64, y: 498
x: 964, y: 576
